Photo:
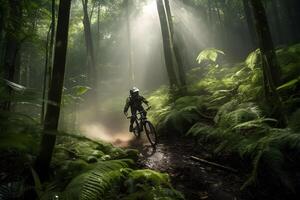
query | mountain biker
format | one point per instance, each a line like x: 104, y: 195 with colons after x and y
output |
x: 135, y: 101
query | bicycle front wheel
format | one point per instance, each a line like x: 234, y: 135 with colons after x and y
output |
x: 151, y: 133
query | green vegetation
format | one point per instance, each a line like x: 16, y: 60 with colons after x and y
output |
x: 66, y: 68
x: 225, y: 108
x: 86, y: 169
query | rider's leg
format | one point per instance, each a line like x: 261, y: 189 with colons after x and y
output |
x: 132, y: 119
x: 131, y: 123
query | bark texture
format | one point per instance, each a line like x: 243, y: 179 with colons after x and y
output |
x: 55, y: 92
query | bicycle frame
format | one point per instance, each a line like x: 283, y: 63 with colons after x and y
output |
x: 141, y: 120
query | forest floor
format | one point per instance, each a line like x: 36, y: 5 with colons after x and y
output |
x: 194, y: 179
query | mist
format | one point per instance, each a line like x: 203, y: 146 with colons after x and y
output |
x: 103, y: 117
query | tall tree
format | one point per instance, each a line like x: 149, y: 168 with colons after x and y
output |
x: 89, y: 44
x: 55, y: 92
x: 174, y: 46
x: 48, y: 61
x: 265, y: 40
x: 271, y: 69
x: 45, y: 74
x: 166, y: 44
x: 250, y: 23
x: 13, y: 44
x: 278, y: 28
x: 128, y: 34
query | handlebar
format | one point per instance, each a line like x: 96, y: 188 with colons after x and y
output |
x: 139, y: 112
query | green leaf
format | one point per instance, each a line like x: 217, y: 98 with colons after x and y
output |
x: 209, y: 55
x: 253, y: 59
x: 290, y: 84
x: 80, y: 90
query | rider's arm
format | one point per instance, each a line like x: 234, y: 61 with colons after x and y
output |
x: 126, y: 107
x: 144, y: 100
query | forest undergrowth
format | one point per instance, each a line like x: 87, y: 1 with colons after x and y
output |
x: 225, y: 111
x: 81, y: 168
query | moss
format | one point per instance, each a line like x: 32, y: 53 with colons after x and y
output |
x: 146, y: 176
x: 148, y: 184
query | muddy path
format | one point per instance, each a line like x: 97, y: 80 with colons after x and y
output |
x: 194, y: 179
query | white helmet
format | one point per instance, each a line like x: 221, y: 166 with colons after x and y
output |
x: 134, y: 91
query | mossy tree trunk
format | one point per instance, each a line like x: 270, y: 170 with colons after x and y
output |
x: 55, y: 92
x: 271, y: 69
x: 166, y: 44
x: 265, y: 41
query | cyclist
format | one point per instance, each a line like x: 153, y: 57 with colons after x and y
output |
x: 135, y: 101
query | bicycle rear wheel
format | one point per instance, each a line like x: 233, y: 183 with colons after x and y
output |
x: 151, y: 133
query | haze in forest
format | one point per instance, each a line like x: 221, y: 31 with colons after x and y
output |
x: 108, y: 122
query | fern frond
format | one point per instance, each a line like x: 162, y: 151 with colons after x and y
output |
x: 257, y: 123
x: 94, y: 183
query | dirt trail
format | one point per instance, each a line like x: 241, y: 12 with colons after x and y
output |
x: 194, y: 179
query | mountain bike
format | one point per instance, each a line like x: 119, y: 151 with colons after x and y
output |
x: 142, y: 123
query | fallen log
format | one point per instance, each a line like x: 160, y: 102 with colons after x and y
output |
x: 214, y: 164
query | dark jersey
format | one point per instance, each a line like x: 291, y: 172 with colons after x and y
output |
x: 135, y: 103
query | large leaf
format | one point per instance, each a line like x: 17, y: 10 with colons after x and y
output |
x: 15, y: 86
x: 80, y: 90
x: 209, y: 55
x: 290, y: 84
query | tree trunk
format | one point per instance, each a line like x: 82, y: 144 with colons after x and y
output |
x: 288, y: 19
x: 250, y: 23
x: 45, y: 74
x: 277, y: 24
x: 265, y: 40
x: 98, y: 28
x: 55, y: 92
x: 271, y: 69
x: 13, y: 44
x: 51, y: 43
x: 166, y: 44
x: 129, y: 51
x: 181, y: 72
x: 49, y: 59
x: 89, y: 45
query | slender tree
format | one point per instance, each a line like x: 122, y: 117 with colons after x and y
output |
x: 128, y: 34
x: 13, y: 44
x: 277, y: 23
x: 270, y: 65
x: 52, y: 38
x: 48, y: 60
x: 174, y: 46
x: 55, y: 92
x: 166, y: 44
x: 89, y: 44
x: 250, y: 23
x: 45, y: 74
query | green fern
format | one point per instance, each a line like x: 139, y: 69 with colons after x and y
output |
x: 95, y: 183
x: 253, y: 60
x: 294, y: 122
x: 200, y: 130
x: 180, y: 120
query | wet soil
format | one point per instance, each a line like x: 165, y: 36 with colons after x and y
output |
x: 194, y: 179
